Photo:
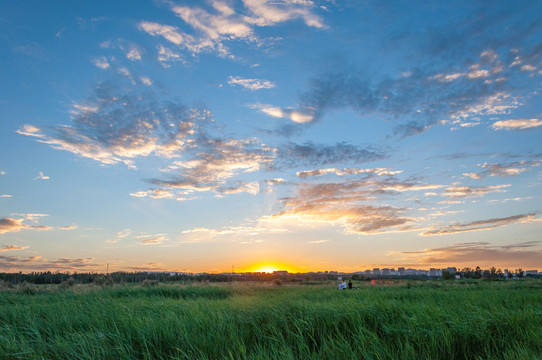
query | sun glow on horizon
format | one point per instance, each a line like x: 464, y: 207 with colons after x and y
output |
x: 268, y: 267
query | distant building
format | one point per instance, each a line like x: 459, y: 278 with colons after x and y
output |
x: 367, y: 272
x: 401, y: 271
x: 432, y: 272
x: 451, y: 270
x: 280, y: 272
x: 385, y: 271
x: 376, y: 271
x: 531, y: 272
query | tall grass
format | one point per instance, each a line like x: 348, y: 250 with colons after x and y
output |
x: 427, y: 320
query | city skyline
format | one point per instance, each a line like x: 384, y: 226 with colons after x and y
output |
x: 292, y: 135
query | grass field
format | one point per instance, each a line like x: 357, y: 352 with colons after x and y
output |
x: 404, y: 320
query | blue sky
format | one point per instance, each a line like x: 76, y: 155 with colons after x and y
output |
x: 300, y: 135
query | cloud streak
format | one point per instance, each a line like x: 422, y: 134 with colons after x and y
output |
x: 15, y: 225
x: 477, y: 253
x: 519, y: 124
x: 479, y: 225
x: 250, y: 84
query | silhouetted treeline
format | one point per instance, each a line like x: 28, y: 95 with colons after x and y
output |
x: 478, y: 273
x: 48, y: 277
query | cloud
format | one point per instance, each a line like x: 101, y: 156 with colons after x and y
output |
x: 134, y: 53
x: 15, y: 225
x: 266, y: 12
x: 39, y: 263
x: 479, y: 225
x: 170, y: 33
x: 101, y: 62
x: 239, y: 231
x: 166, y: 55
x: 317, y: 241
x: 211, y: 30
x: 214, y: 26
x: 345, y: 204
x: 154, y: 240
x: 457, y: 191
x: 215, y: 161
x: 5, y: 196
x: 146, y: 80
x: 343, y: 172
x: 502, y: 170
x: 239, y: 187
x: 12, y: 248
x: 520, y: 124
x: 459, y: 72
x: 297, y: 116
x: 41, y: 176
x: 292, y: 154
x: 478, y: 253
x: 251, y: 84
x: 117, y: 126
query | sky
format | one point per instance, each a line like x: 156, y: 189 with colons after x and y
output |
x: 301, y: 135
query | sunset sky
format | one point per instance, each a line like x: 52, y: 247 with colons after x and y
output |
x: 286, y: 134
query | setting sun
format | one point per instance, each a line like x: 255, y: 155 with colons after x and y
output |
x: 269, y: 267
x: 266, y: 269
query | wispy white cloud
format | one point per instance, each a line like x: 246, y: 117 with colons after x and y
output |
x: 41, y: 176
x: 343, y: 172
x: 12, y: 248
x: 251, y: 84
x: 266, y: 12
x: 458, y: 191
x: 101, y: 62
x: 146, y: 80
x: 170, y: 33
x: 503, y: 170
x: 297, y: 116
x: 317, y: 241
x: 154, y: 239
x: 166, y: 55
x: 134, y: 53
x: 518, y: 124
x: 164, y: 194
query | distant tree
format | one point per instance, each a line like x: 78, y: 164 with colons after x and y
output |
x: 477, y: 273
x: 486, y: 274
x: 446, y: 275
x: 493, y: 272
x: 500, y: 274
x: 519, y: 273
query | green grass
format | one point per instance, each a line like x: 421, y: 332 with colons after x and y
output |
x: 414, y: 320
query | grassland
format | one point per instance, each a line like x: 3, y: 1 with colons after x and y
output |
x: 407, y: 320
